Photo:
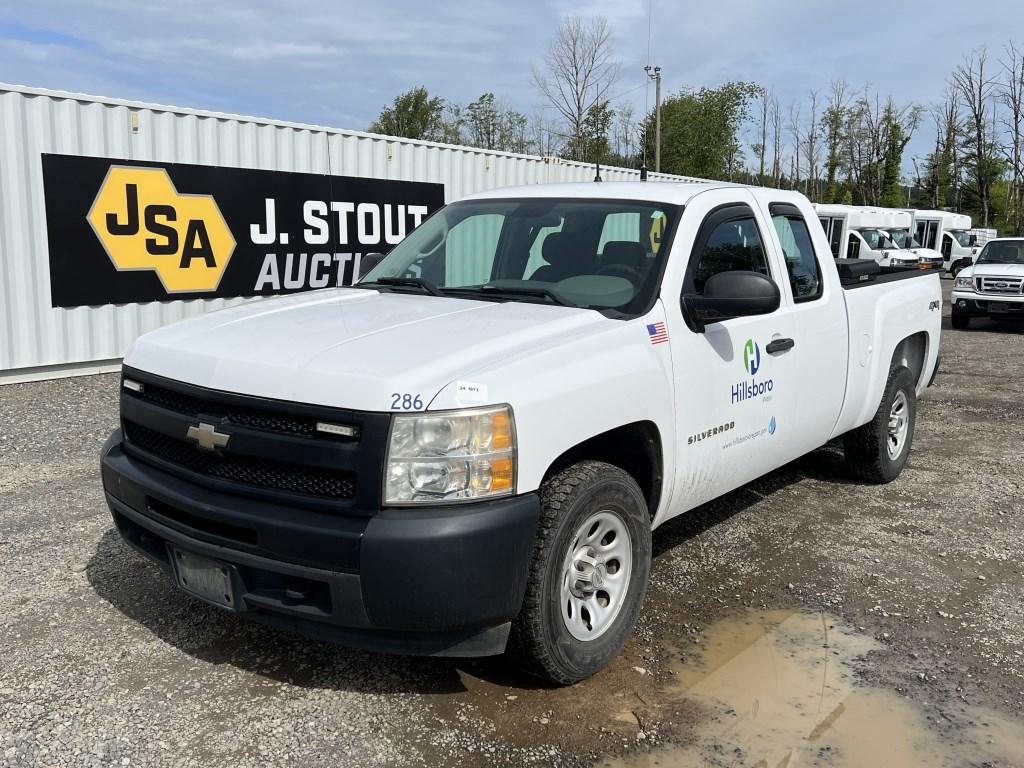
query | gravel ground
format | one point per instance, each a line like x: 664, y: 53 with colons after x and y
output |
x: 104, y: 663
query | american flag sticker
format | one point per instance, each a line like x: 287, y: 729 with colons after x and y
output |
x: 657, y: 333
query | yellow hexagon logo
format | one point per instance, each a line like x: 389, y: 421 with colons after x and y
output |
x: 143, y: 222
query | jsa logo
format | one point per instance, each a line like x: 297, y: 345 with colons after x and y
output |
x: 144, y: 223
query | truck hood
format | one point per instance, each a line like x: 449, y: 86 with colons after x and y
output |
x: 354, y: 348
x: 994, y: 270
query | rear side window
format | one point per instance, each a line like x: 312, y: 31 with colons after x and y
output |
x: 798, y: 251
x: 729, y: 240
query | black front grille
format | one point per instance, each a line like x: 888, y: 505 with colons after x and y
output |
x: 235, y: 414
x: 272, y: 475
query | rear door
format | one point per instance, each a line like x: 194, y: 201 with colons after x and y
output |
x: 819, y: 356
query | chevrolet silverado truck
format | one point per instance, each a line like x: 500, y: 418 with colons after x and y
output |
x: 467, y: 451
x: 993, y: 286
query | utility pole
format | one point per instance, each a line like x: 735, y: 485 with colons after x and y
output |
x: 654, y: 73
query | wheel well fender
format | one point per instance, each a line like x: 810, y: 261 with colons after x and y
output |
x: 912, y: 352
x: 635, y: 448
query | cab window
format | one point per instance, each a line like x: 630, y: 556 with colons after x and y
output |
x: 802, y: 266
x: 729, y: 240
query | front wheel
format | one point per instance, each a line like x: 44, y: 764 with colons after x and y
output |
x: 877, y: 451
x: 588, y: 574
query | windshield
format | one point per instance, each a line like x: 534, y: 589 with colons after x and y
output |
x: 1005, y: 252
x: 962, y: 236
x: 596, y: 254
x: 903, y: 238
x: 877, y: 239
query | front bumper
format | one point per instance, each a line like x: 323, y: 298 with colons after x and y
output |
x: 981, y: 305
x: 441, y: 581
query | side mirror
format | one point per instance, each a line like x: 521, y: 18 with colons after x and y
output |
x: 973, y: 240
x: 368, y: 262
x: 731, y: 294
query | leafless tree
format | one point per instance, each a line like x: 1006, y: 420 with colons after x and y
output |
x: 796, y: 132
x: 762, y: 149
x: 812, y: 150
x: 1011, y: 94
x: 775, y: 116
x: 625, y: 132
x: 578, y: 74
x: 976, y: 88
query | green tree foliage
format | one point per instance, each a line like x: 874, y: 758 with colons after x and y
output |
x: 700, y: 130
x: 494, y: 127
x: 414, y: 114
x: 833, y: 125
x: 596, y: 128
x: 894, y: 141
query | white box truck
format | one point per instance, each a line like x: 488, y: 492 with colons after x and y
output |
x: 468, y: 450
x: 949, y: 234
x: 862, y: 232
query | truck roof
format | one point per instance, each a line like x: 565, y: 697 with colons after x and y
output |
x: 949, y: 219
x: 674, y: 193
x: 866, y: 216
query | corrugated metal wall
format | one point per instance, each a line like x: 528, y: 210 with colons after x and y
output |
x: 34, y: 335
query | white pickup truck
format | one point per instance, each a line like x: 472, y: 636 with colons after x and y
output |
x: 993, y: 286
x: 469, y: 450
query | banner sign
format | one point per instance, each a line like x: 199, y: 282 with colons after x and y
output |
x: 125, y: 232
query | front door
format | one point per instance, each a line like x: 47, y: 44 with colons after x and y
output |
x: 735, y: 385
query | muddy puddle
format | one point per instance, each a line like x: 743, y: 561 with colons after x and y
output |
x: 779, y: 690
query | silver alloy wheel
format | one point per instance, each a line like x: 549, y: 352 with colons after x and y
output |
x: 595, y: 575
x: 899, y: 424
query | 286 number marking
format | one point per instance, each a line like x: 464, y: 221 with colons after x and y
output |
x: 404, y: 401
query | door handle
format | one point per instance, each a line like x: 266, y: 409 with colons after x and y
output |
x: 779, y: 345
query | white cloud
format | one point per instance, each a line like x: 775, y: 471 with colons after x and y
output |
x: 340, y: 62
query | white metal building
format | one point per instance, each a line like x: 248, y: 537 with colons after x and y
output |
x: 39, y: 340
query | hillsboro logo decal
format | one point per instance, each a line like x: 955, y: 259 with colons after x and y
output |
x: 751, y: 356
x: 753, y: 387
x: 143, y: 223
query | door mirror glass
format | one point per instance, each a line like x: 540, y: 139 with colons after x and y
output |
x: 731, y: 294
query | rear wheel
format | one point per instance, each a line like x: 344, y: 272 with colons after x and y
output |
x: 959, y: 320
x: 877, y: 451
x: 588, y: 575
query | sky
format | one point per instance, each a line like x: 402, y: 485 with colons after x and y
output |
x: 338, y: 63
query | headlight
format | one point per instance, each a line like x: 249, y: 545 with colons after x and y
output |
x: 963, y: 282
x: 451, y: 455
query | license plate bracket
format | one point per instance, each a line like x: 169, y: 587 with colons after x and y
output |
x: 998, y: 307
x: 209, y: 580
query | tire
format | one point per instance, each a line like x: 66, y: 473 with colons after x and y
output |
x: 560, y: 635
x: 960, y: 321
x: 870, y: 452
x: 955, y: 270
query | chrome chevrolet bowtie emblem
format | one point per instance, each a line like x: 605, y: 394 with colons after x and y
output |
x: 207, y: 436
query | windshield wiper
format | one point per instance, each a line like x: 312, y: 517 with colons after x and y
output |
x: 526, y: 290
x: 404, y: 282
